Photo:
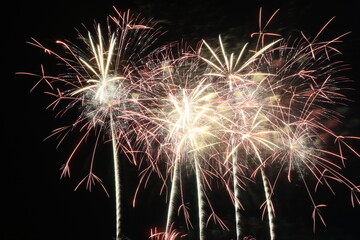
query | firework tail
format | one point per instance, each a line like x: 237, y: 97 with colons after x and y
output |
x: 173, y: 193
x: 199, y: 198
x: 116, y: 179
x: 236, y: 195
x: 269, y: 208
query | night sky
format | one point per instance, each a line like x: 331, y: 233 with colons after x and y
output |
x: 38, y: 205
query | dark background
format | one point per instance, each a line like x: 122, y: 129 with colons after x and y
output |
x: 40, y: 206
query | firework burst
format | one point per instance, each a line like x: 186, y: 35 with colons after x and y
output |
x: 101, y: 80
x: 311, y: 88
x: 278, y: 113
x: 186, y: 128
x: 244, y: 92
x: 305, y: 82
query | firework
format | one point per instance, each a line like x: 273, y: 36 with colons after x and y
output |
x: 305, y: 84
x: 221, y: 118
x: 243, y: 88
x: 186, y: 127
x: 170, y: 235
x: 277, y: 101
x: 310, y: 85
x: 101, y: 80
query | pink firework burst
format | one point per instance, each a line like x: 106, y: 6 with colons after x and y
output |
x: 304, y: 77
x: 100, y: 78
x: 186, y: 130
x: 280, y: 102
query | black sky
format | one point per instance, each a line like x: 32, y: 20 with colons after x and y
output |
x: 39, y: 206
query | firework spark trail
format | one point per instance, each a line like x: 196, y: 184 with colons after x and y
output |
x: 236, y: 192
x: 173, y: 193
x: 117, y: 178
x: 101, y: 80
x: 269, y: 206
